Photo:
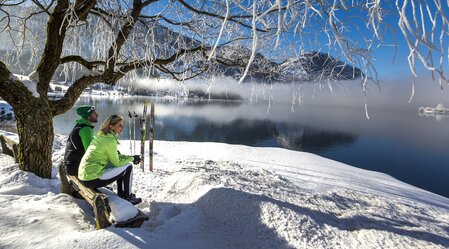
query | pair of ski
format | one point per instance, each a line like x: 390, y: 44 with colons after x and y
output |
x: 143, y: 133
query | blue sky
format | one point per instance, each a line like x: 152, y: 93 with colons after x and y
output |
x: 384, y: 54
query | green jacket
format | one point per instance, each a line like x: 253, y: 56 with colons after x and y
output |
x: 86, y: 133
x: 102, y: 153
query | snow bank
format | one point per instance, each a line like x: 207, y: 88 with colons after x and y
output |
x: 212, y: 195
x: 257, y: 208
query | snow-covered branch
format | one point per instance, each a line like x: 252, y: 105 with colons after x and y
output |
x: 419, y: 23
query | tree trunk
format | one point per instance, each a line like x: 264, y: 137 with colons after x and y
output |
x: 35, y: 129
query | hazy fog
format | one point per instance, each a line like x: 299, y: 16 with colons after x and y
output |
x: 389, y: 95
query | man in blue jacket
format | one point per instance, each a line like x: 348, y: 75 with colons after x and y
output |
x: 79, y: 138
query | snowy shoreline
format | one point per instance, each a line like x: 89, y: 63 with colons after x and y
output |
x: 214, y: 195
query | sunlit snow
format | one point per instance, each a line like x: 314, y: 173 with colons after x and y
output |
x: 30, y: 82
x: 214, y: 195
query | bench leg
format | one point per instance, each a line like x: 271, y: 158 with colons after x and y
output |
x: 66, y: 188
x: 15, y: 150
x: 5, y: 148
x: 102, y: 211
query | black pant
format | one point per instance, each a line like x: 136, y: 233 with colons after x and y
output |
x: 123, y: 182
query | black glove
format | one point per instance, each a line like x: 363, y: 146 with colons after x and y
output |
x: 136, y: 159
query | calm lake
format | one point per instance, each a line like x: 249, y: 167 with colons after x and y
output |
x: 409, y: 147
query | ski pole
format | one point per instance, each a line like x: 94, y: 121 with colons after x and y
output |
x: 134, y: 131
x: 143, y: 131
x: 129, y: 128
x: 151, y: 135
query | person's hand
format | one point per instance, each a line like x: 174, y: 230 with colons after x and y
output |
x: 136, y: 159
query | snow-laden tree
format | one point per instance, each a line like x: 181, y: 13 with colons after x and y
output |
x: 109, y: 41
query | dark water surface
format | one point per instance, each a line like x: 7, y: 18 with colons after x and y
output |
x: 409, y: 147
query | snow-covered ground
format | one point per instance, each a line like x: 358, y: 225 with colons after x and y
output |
x: 212, y: 195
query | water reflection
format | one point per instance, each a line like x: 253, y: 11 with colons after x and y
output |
x: 309, y: 139
x: 219, y: 121
x: 438, y: 116
x: 239, y: 131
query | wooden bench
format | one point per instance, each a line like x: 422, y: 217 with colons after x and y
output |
x: 9, y: 147
x: 98, y: 200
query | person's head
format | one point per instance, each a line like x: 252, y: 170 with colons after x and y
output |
x: 112, y: 123
x: 88, y: 112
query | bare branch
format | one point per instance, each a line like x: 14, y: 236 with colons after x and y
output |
x: 230, y: 18
x: 143, y: 63
x: 90, y: 65
x: 73, y: 93
x: 13, y: 4
x: 43, y: 8
x: 123, y: 35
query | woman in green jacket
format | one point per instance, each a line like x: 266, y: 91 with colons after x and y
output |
x: 102, y: 164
